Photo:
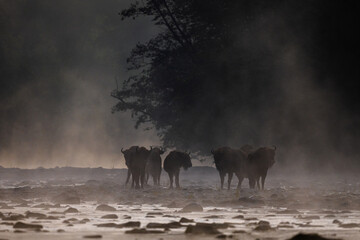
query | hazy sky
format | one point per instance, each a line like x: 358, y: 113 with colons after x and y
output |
x: 59, y: 63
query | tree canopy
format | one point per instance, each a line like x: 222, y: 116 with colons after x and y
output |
x: 225, y: 72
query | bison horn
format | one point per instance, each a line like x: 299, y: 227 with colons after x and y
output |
x: 274, y: 147
x: 122, y: 150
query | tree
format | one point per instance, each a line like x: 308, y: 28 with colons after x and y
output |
x: 218, y: 74
x: 189, y: 81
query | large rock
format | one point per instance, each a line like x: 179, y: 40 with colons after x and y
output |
x: 349, y: 225
x: 130, y: 224
x: 164, y: 225
x: 143, y: 231
x: 26, y: 225
x: 215, y: 225
x: 104, y: 207
x: 46, y: 205
x: 201, y: 229
x: 92, y: 236
x: 124, y: 225
x: 186, y: 220
x: 71, y: 210
x: 263, y: 226
x: 192, y: 207
x: 303, y: 236
x: 13, y: 217
x: 110, y: 216
x: 113, y: 225
x: 29, y: 214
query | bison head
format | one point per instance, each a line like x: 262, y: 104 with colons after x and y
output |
x: 218, y: 155
x: 264, y: 155
x: 247, y: 148
x: 160, y: 151
x: 186, y: 161
x: 142, y: 153
x: 128, y: 154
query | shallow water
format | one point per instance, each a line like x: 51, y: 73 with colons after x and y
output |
x: 289, y: 209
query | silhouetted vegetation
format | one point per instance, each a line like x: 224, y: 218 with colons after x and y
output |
x: 231, y: 72
x: 193, y: 77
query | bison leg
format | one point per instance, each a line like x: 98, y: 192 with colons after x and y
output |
x: 252, y: 182
x: 241, y: 178
x: 171, y: 175
x: 257, y: 182
x: 142, y: 179
x: 222, y: 177
x: 147, y: 177
x: 177, y: 178
x: 128, y: 176
x: 136, y: 176
x: 263, y: 176
x: 154, y: 177
x: 158, y: 178
x: 133, y: 180
x: 229, y: 179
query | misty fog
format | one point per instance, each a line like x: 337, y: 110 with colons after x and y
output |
x: 60, y: 61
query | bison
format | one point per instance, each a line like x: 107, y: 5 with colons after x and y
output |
x: 247, y: 149
x: 136, y: 163
x: 230, y: 161
x: 258, y: 163
x: 172, y: 164
x: 153, y: 165
x: 129, y: 154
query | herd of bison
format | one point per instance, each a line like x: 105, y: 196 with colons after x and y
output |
x: 246, y: 162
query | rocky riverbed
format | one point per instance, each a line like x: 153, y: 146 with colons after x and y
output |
x: 105, y: 208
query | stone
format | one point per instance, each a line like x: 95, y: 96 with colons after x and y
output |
x: 26, y: 225
x: 201, y: 229
x: 92, y: 236
x: 303, y: 236
x: 164, y: 225
x: 71, y: 210
x: 142, y: 231
x: 104, y: 207
x: 110, y: 216
x: 186, y: 220
x: 192, y: 207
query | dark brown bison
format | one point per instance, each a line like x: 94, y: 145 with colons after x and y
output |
x: 136, y: 163
x: 258, y: 163
x: 247, y: 149
x: 153, y: 165
x: 172, y: 164
x: 230, y: 161
x: 129, y: 154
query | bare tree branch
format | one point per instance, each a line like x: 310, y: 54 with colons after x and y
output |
x: 175, y: 22
x: 157, y: 6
